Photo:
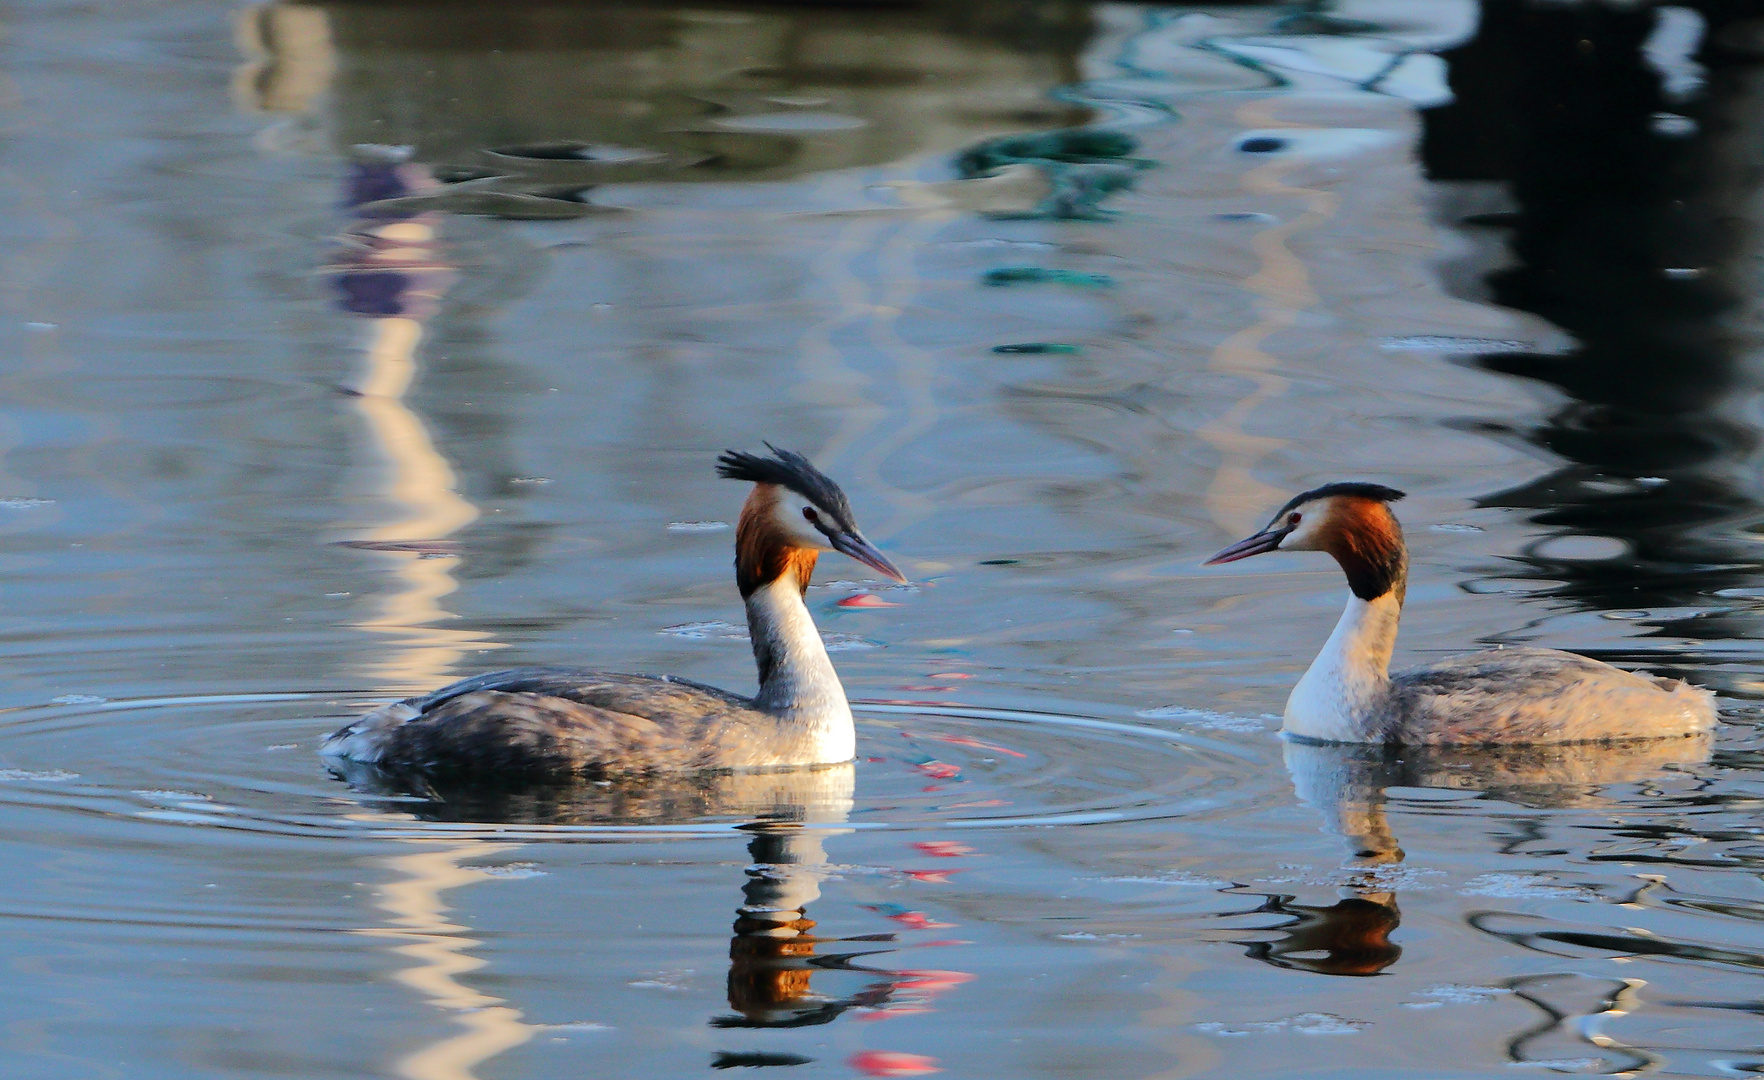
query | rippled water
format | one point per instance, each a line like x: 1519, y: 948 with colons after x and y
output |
x: 356, y: 346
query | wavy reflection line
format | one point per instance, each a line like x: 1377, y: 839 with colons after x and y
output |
x: 439, y: 951
x: 915, y: 368
x: 829, y: 382
x: 1235, y: 497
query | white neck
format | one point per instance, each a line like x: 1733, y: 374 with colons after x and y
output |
x: 1339, y: 697
x: 797, y: 680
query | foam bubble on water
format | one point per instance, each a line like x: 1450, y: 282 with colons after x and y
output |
x: 697, y: 526
x: 1582, y: 1064
x: 180, y: 817
x: 19, y: 502
x: 1081, y: 935
x: 1456, y: 994
x: 714, y: 630
x: 1512, y: 886
x: 174, y: 796
x: 1387, y: 877
x: 1301, y: 1024
x: 1180, y: 878
x: 996, y: 242
x: 847, y: 642
x: 1206, y: 719
x: 39, y: 775
x: 1450, y: 344
x: 78, y: 699
x: 671, y: 981
x: 579, y: 1025
x: 515, y: 870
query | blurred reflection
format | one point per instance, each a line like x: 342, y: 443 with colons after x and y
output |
x: 1624, y: 137
x: 1350, y: 937
x: 439, y: 951
x: 390, y: 272
x: 624, y: 91
x: 1282, y: 286
x: 1346, y: 784
x: 773, y: 952
x: 527, y: 110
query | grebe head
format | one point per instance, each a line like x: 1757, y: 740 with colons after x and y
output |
x: 794, y: 513
x: 1351, y: 521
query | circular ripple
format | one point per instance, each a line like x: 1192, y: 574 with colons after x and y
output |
x: 248, y: 762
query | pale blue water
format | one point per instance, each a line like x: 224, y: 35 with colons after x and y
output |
x: 270, y: 454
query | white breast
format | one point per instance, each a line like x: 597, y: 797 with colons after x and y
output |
x: 1338, y: 698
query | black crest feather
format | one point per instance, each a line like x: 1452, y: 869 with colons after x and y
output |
x: 788, y: 469
x: 1344, y: 487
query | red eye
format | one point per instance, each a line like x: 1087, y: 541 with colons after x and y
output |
x: 1294, y: 519
x: 809, y: 513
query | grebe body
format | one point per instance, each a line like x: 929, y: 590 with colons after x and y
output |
x: 552, y: 721
x: 1515, y: 696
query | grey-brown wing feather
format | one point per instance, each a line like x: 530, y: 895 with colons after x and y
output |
x: 1540, y: 696
x: 607, y: 690
x: 552, y: 721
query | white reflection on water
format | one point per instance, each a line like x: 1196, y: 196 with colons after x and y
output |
x: 394, y: 272
x: 419, y: 486
x: 439, y: 950
x: 395, y: 268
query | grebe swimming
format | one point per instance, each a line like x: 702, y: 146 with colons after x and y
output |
x: 1505, y: 696
x: 529, y: 721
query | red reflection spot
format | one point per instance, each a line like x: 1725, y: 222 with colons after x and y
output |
x: 933, y: 981
x: 962, y: 740
x: 893, y: 1063
x: 918, y: 920
x: 934, y: 877
x: 943, y: 849
x: 865, y: 600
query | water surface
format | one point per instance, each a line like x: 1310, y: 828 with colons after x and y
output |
x: 355, y: 347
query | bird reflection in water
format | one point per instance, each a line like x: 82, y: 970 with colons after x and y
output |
x: 774, y: 953
x: 1347, y: 785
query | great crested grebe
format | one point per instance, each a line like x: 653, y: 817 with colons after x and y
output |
x: 548, y: 721
x: 1505, y: 696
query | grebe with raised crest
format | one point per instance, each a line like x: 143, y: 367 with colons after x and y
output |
x: 550, y: 721
x: 1520, y: 695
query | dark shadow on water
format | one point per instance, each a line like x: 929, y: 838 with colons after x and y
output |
x: 591, y: 93
x: 1631, y: 228
x: 1350, y: 937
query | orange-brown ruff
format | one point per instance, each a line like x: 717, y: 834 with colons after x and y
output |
x: 1502, y: 696
x: 544, y: 721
